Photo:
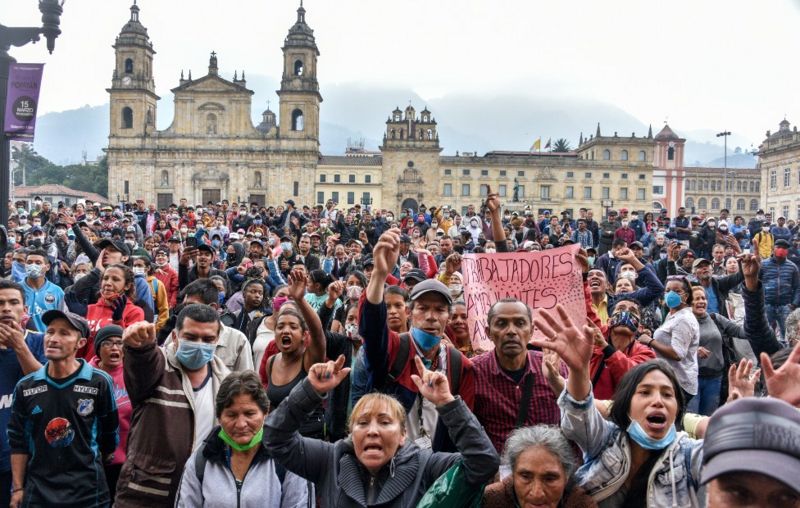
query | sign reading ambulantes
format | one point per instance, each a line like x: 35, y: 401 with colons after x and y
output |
x: 22, y: 101
x: 539, y: 279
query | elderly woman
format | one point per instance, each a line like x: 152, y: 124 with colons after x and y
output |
x: 638, y: 458
x: 233, y: 460
x: 377, y: 465
x: 542, y: 466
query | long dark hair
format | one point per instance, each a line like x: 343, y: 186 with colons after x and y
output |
x: 627, y: 388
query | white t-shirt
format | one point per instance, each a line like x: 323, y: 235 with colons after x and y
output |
x: 263, y: 337
x: 204, y: 419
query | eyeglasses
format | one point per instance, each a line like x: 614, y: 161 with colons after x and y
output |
x: 108, y: 344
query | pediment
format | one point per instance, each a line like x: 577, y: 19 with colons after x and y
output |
x: 211, y: 83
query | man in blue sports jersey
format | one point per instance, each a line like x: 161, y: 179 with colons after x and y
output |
x: 63, y: 424
x: 41, y: 295
x: 21, y: 352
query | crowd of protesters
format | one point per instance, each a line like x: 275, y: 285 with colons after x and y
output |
x: 230, y: 354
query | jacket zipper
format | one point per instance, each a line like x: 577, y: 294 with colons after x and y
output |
x: 238, y: 493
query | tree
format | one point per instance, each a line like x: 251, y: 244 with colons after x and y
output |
x: 561, y: 145
x: 40, y: 171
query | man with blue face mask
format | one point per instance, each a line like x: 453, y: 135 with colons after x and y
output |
x: 41, y: 295
x: 172, y: 390
x: 390, y: 356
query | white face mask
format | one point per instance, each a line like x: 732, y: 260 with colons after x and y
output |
x: 184, y: 230
x: 456, y: 289
x: 138, y: 270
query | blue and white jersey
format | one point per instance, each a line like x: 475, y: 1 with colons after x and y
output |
x: 39, y: 301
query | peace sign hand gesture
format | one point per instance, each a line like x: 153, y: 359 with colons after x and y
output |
x: 324, y: 377
x: 432, y: 385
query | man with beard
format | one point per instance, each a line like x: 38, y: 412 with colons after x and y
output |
x: 203, y: 268
x: 305, y: 254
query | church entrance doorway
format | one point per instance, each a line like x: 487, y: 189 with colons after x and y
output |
x: 409, y: 203
x: 213, y: 195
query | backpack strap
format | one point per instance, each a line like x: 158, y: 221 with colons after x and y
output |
x: 401, y: 358
x: 154, y: 283
x: 454, y: 369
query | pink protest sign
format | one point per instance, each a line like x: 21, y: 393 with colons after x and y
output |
x: 539, y: 279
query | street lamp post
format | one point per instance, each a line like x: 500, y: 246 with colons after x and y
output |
x: 19, y: 36
x: 725, y: 135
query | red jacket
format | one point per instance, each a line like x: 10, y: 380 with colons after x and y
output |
x: 170, y: 279
x: 99, y: 315
x: 615, y: 366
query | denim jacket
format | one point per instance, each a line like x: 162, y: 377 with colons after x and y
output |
x: 674, y: 480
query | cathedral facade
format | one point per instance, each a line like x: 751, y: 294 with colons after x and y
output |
x: 212, y: 150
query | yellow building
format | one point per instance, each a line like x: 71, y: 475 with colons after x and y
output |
x: 703, y: 191
x: 779, y: 162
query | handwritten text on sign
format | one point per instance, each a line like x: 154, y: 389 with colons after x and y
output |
x: 539, y: 279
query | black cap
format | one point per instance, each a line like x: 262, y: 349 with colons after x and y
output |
x: 431, y: 286
x: 75, y: 320
x: 782, y: 243
x: 117, y: 245
x: 205, y: 247
x: 405, y: 239
x: 104, y: 334
x: 367, y: 261
x: 415, y: 274
x: 286, y: 238
x: 174, y: 239
x: 289, y: 202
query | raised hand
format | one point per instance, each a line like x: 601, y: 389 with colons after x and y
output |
x: 432, y: 385
x: 742, y: 380
x: 492, y: 201
x: 324, y: 377
x: 551, y: 365
x: 784, y: 383
x: 297, y: 284
x: 597, y: 334
x: 751, y: 265
x: 335, y: 290
x: 139, y: 334
x: 582, y: 258
x: 386, y: 252
x: 573, y: 345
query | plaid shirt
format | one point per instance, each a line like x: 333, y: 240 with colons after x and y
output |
x: 497, y: 397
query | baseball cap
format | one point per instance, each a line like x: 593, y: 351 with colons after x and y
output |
x: 699, y: 262
x: 430, y: 286
x: 685, y: 252
x: 367, y: 261
x: 117, y: 245
x: 750, y: 433
x: 405, y: 239
x: 75, y: 320
x: 289, y: 202
x: 205, y: 247
x: 415, y: 274
x: 782, y: 243
x: 104, y: 334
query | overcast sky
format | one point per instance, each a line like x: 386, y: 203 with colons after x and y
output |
x: 701, y: 65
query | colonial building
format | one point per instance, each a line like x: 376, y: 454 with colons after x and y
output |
x: 779, y: 161
x: 704, y: 191
x: 212, y: 150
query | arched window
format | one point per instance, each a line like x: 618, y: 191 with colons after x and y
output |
x: 728, y: 204
x: 715, y: 204
x: 623, y: 155
x: 127, y: 118
x: 642, y: 156
x: 689, y: 203
x: 298, y: 67
x: 149, y: 117
x: 606, y: 155
x: 394, y: 134
x: 740, y: 204
x: 671, y: 153
x: 738, y: 186
x: 753, y: 205
x: 257, y: 179
x: 402, y: 134
x: 297, y: 120
x: 211, y: 123
x: 129, y: 66
x: 430, y: 133
x: 701, y: 203
x: 165, y: 178
x: 421, y: 135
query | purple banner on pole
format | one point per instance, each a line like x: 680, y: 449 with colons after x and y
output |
x: 22, y: 102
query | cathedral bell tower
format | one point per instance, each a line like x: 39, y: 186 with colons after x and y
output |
x: 299, y: 93
x: 133, y: 96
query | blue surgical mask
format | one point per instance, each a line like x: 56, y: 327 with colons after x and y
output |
x: 425, y: 340
x: 287, y: 246
x: 673, y: 300
x: 215, y: 243
x: 194, y: 355
x: 33, y: 271
x: 640, y: 437
x: 591, y: 260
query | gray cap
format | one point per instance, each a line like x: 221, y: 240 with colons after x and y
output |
x: 757, y: 435
x: 431, y: 286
